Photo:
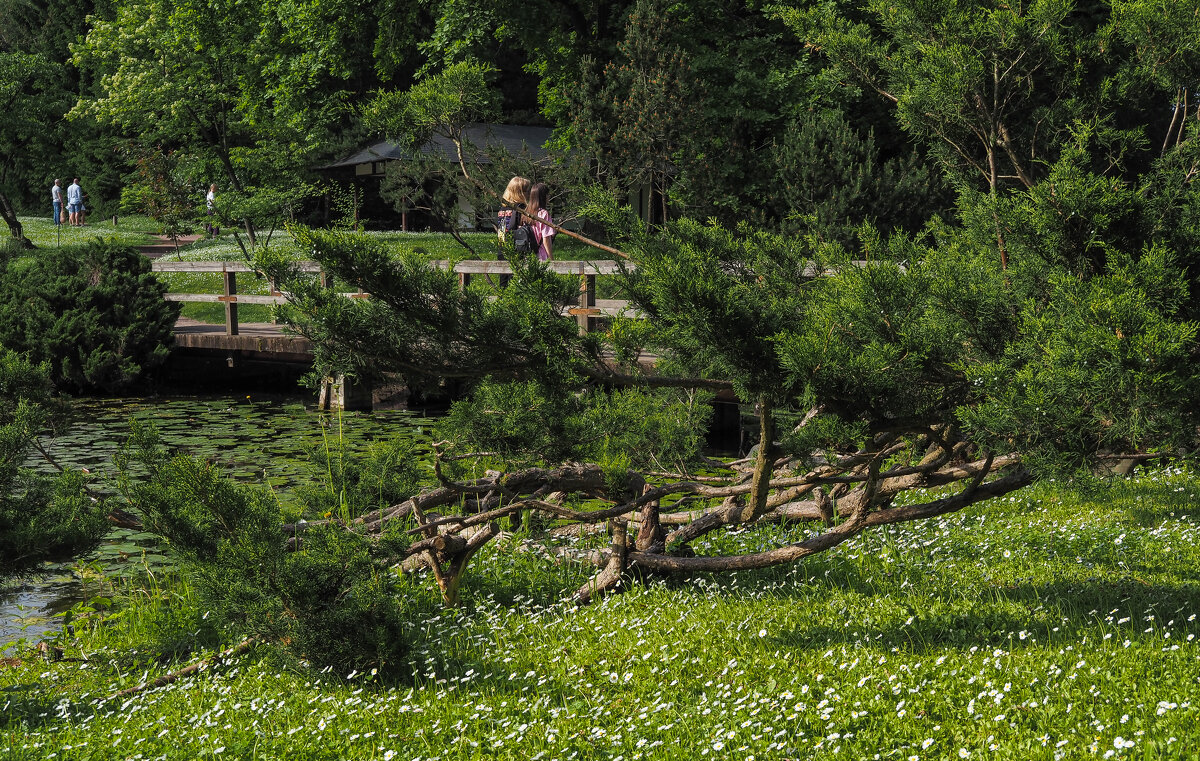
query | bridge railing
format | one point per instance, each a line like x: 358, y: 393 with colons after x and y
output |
x: 587, y: 309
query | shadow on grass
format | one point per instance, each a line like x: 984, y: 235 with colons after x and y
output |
x: 1149, y: 504
x: 1045, y: 612
x: 25, y: 705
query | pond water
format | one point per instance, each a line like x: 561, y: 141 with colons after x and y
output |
x: 257, y: 438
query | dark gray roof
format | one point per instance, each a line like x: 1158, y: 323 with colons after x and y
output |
x: 511, y: 137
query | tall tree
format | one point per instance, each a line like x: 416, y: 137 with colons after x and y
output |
x: 1165, y: 43
x: 827, y: 179
x: 993, y: 88
x: 25, y: 80
x: 991, y: 85
x: 255, y: 92
x: 54, y: 148
x: 684, y: 104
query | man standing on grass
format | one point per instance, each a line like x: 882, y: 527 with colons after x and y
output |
x: 56, y: 201
x: 75, y: 202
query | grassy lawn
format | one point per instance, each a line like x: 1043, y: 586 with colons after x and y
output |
x: 133, y: 230
x: 1049, y: 625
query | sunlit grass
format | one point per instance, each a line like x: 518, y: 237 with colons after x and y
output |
x: 133, y: 230
x: 1048, y: 624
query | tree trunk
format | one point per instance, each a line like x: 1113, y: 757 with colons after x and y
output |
x: 993, y: 183
x: 1179, y: 107
x: 236, y: 184
x: 14, y: 225
x: 761, y: 482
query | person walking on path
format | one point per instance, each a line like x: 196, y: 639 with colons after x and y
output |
x: 210, y: 201
x: 538, y: 214
x: 56, y: 200
x: 75, y: 203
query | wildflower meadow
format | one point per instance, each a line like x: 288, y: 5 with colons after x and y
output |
x: 1056, y: 623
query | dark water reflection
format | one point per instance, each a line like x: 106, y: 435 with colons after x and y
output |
x: 256, y: 438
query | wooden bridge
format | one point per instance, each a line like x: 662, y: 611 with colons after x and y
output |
x: 586, y: 309
x: 237, y: 343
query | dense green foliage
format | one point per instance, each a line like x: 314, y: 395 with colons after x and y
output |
x: 846, y: 113
x: 942, y: 249
x: 828, y: 180
x: 95, y: 314
x: 41, y: 518
x: 249, y: 89
x: 23, y: 77
x: 37, y: 144
x: 348, y: 484
x: 679, y: 102
x: 621, y: 429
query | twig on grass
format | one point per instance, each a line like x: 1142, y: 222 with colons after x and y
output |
x: 174, y: 676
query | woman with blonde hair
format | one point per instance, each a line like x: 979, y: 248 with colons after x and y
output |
x: 537, y: 213
x: 516, y: 195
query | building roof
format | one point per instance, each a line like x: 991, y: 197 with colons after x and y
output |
x: 511, y: 137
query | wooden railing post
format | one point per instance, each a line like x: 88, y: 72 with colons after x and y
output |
x: 230, y: 299
x: 587, y: 304
x: 273, y: 290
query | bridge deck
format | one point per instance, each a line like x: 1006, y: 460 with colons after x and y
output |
x: 258, y: 339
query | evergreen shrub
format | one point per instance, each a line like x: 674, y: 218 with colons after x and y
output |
x: 326, y: 594
x: 94, y: 313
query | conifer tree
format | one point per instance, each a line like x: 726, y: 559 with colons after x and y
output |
x: 95, y: 314
x: 41, y: 517
x: 1047, y: 327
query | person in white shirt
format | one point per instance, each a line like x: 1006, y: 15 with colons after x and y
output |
x: 75, y: 203
x: 56, y: 200
x: 210, y: 201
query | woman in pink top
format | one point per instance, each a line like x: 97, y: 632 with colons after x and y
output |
x: 536, y: 210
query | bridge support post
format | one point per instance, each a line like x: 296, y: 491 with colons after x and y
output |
x: 342, y: 393
x: 230, y: 299
x: 585, y: 313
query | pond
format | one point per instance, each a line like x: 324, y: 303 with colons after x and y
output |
x: 257, y: 438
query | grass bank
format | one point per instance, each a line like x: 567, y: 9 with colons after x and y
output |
x: 131, y: 230
x: 1047, y: 625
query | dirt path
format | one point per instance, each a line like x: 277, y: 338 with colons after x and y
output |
x: 164, y: 245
